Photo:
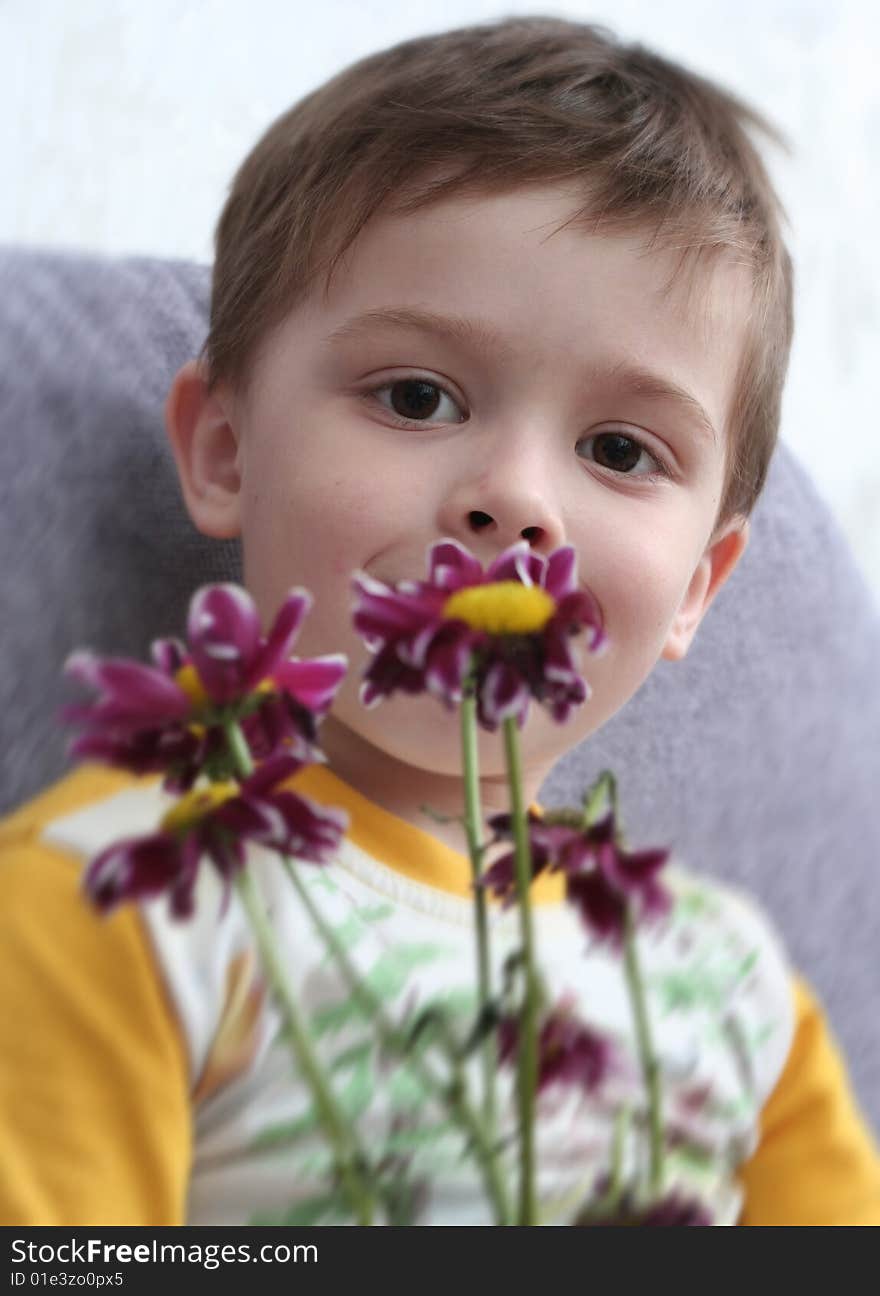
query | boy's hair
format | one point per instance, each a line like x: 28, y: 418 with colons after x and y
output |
x: 487, y: 109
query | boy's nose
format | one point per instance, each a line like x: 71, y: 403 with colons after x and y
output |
x: 481, y: 523
x: 505, y: 487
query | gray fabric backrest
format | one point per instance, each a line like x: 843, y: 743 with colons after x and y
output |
x: 757, y: 757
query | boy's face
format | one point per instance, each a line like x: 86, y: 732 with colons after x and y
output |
x: 360, y: 451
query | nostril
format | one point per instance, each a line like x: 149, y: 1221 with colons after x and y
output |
x: 531, y: 533
x: 479, y: 521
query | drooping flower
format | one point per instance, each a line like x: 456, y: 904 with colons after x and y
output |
x: 215, y: 820
x: 602, y: 879
x: 167, y: 717
x: 569, y: 1052
x: 507, y: 628
x: 671, y: 1211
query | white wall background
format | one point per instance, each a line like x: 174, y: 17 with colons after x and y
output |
x: 121, y: 125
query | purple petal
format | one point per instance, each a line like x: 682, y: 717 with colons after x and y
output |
x: 385, y: 675
x: 382, y: 614
x: 449, y: 662
x: 310, y: 831
x: 181, y: 894
x: 500, y: 877
x: 144, y: 752
x: 451, y: 566
x: 132, y: 869
x: 560, y: 666
x: 280, y: 640
x: 633, y: 871
x: 282, y: 725
x: 168, y: 655
x: 571, y: 1053
x: 561, y: 576
x: 223, y: 631
x: 256, y: 819
x: 520, y: 563
x: 579, y: 610
x: 677, y: 1211
x: 502, y: 693
x: 413, y: 650
x: 313, y: 681
x: 561, y: 842
x: 135, y: 695
x: 270, y: 773
x: 601, y: 908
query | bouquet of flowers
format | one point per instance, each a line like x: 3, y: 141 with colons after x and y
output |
x: 230, y: 716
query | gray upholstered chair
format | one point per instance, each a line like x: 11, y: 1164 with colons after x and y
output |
x: 758, y: 757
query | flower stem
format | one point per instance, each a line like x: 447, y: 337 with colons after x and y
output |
x: 647, y: 1057
x: 635, y: 984
x: 604, y: 786
x: 453, y: 1094
x: 350, y: 1161
x: 349, y: 1158
x: 527, y: 1069
x: 239, y: 748
x: 615, y: 1186
x: 473, y: 820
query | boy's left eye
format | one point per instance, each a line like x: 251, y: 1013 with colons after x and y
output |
x: 414, y: 400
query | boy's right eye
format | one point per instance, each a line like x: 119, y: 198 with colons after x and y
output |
x: 412, y: 401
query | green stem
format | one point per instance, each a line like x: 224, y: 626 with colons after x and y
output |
x: 605, y: 785
x: 350, y: 1161
x: 528, y: 1043
x: 348, y: 1156
x: 635, y: 984
x: 239, y: 748
x: 473, y: 820
x: 615, y: 1185
x: 647, y: 1057
x: 453, y: 1095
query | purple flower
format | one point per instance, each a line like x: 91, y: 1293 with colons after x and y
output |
x: 215, y: 821
x: 508, y: 628
x: 602, y: 879
x: 673, y: 1210
x: 569, y: 1052
x: 166, y: 717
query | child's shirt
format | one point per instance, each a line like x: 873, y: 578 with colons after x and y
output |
x: 144, y: 1080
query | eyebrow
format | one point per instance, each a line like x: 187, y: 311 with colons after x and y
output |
x: 482, y: 337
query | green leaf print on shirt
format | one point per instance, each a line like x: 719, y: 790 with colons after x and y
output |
x: 707, y: 984
x: 386, y: 978
x: 352, y: 929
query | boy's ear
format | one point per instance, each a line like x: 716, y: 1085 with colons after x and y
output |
x: 722, y: 554
x: 206, y: 451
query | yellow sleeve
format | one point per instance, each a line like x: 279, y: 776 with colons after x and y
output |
x: 95, y: 1125
x: 816, y: 1162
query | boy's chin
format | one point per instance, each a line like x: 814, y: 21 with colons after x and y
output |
x: 422, y: 734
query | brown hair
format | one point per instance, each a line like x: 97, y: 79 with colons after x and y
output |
x: 489, y: 108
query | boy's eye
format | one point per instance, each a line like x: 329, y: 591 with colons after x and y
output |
x: 415, y: 400
x: 621, y: 453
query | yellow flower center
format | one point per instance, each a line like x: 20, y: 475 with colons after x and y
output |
x: 187, y: 678
x: 503, y: 608
x: 195, y: 806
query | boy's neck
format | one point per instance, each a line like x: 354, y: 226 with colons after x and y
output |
x: 404, y: 790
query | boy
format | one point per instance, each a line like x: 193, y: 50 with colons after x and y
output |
x: 509, y: 282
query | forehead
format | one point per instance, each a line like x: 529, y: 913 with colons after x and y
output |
x: 522, y: 279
